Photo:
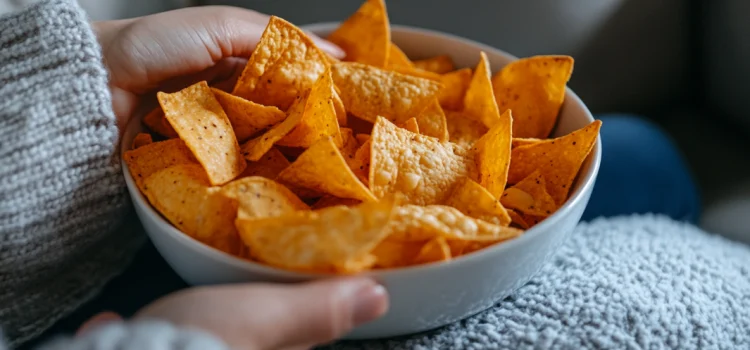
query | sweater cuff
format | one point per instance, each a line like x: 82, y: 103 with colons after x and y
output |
x: 139, y: 335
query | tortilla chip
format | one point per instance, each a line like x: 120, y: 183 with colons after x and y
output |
x: 533, y: 220
x: 492, y: 155
x: 200, y: 121
x: 469, y: 245
x: 462, y: 130
x: 257, y: 147
x: 321, y: 168
x: 141, y: 140
x: 417, y: 73
x: 390, y: 253
x: 369, y: 92
x: 338, y: 106
x: 534, y: 88
x: 432, y: 121
x: 434, y: 250
x: 479, y: 102
x: 362, y: 138
x: 523, y: 141
x: 439, y: 64
x: 411, y: 125
x: 517, y: 219
x: 420, y: 223
x: 424, y: 169
x: 453, y: 91
x: 285, y: 63
x: 530, y: 196
x: 159, y: 124
x: 397, y: 58
x: 259, y: 197
x: 366, y: 35
x: 318, y: 119
x: 473, y: 200
x: 247, y: 118
x: 183, y: 194
x: 146, y: 160
x: 558, y: 160
x: 332, y: 201
x: 350, y: 147
x: 361, y: 164
x: 268, y: 166
x: 335, y: 239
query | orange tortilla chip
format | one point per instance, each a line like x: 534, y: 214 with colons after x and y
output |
x: 369, y: 92
x: 517, y: 219
x: 366, y: 35
x: 523, y: 141
x: 141, y: 140
x: 534, y: 88
x: 390, y: 253
x: 469, y: 245
x: 411, y: 125
x: 247, y: 118
x: 420, y: 223
x: 350, y: 147
x: 397, y: 58
x: 362, y: 138
x: 492, y: 155
x: 183, y: 194
x: 321, y: 168
x: 285, y: 63
x: 259, y: 197
x: 200, y: 121
x: 318, y: 119
x: 335, y: 239
x: 338, y: 106
x: 473, y: 200
x: 453, y: 91
x: 332, y: 201
x: 479, y: 102
x: 159, y: 124
x: 439, y: 64
x: 268, y: 166
x: 257, y: 147
x: 420, y: 167
x: 462, y: 130
x: 558, y: 160
x: 361, y: 164
x: 530, y: 196
x: 432, y: 121
x: 146, y: 160
x: 417, y: 73
x: 436, y: 249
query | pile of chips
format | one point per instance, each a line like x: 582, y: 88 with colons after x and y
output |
x: 374, y: 162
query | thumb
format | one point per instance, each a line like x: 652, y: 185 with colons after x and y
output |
x: 320, y: 312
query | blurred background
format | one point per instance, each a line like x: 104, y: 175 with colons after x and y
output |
x: 680, y: 63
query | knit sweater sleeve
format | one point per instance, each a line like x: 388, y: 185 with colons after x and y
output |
x: 62, y: 195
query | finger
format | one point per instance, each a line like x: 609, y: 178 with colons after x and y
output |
x: 319, y: 312
x: 98, y: 320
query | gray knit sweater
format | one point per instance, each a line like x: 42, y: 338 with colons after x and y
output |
x: 641, y: 282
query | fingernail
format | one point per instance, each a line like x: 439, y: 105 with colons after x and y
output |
x: 371, y: 302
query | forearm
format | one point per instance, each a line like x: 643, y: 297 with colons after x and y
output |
x: 61, y: 190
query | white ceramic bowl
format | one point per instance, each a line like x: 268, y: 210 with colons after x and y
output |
x: 422, y: 297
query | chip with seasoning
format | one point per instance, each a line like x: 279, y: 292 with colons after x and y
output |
x: 377, y: 160
x: 285, y: 63
x: 366, y: 35
x: 200, y: 121
x: 534, y: 89
x: 369, y: 92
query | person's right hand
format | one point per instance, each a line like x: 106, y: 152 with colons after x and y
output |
x: 268, y: 316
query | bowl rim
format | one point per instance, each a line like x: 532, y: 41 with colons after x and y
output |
x: 586, y: 180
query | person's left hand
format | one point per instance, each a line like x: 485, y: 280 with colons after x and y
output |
x: 171, y: 50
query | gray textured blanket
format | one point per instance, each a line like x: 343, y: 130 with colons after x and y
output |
x: 625, y: 283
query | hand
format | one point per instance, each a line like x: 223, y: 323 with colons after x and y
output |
x: 264, y: 316
x: 171, y: 50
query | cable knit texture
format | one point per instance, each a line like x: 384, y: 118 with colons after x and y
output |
x: 62, y: 195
